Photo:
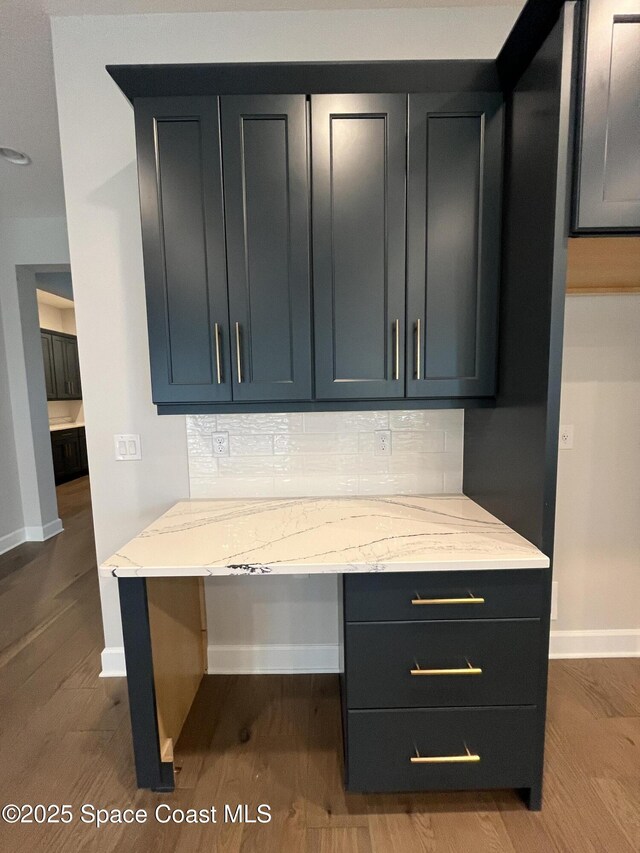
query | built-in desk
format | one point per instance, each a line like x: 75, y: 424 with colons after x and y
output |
x: 444, y: 629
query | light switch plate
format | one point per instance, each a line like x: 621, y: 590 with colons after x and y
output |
x: 127, y: 447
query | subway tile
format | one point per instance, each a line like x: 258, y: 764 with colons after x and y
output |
x: 408, y: 463
x: 260, y: 422
x: 339, y: 422
x: 199, y: 444
x: 366, y: 442
x: 237, y: 487
x: 370, y: 464
x: 454, y: 439
x: 316, y: 486
x: 259, y: 466
x: 330, y: 463
x: 316, y: 443
x: 202, y: 424
x: 425, y: 441
x: 203, y: 466
x: 425, y: 419
x: 251, y: 445
x: 453, y: 482
x: 422, y: 483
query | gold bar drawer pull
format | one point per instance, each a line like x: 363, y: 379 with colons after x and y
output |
x: 462, y: 670
x: 469, y: 599
x: 465, y: 758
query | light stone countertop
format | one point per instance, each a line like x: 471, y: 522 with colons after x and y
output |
x: 280, y: 536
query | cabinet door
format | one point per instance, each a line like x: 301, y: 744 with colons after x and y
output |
x: 180, y: 180
x: 264, y: 143
x: 47, y: 358
x: 65, y: 447
x: 358, y: 172
x: 59, y: 459
x: 59, y: 349
x: 82, y: 444
x: 453, y: 243
x: 72, y: 367
x: 608, y: 192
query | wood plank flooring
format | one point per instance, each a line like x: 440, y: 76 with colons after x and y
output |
x: 64, y: 738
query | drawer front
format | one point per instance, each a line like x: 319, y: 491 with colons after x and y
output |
x: 445, y: 595
x: 474, y: 747
x: 427, y: 664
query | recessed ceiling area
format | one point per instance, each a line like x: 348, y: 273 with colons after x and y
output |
x: 59, y: 302
x: 28, y: 116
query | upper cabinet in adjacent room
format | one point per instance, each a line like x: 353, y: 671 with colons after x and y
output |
x: 608, y: 150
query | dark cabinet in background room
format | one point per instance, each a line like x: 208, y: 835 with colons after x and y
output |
x: 61, y: 365
x: 69, y: 451
x: 608, y: 151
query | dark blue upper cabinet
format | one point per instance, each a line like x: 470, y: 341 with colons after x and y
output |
x: 180, y: 178
x: 607, y: 195
x: 333, y: 248
x: 453, y: 243
x: 358, y: 175
x: 264, y: 141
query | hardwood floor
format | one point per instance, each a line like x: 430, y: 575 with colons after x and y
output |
x: 64, y: 738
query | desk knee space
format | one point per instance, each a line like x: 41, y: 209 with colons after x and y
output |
x: 165, y: 651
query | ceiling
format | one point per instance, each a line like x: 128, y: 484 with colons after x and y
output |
x: 28, y: 118
x: 59, y: 302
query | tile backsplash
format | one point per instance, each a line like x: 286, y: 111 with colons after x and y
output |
x: 326, y: 453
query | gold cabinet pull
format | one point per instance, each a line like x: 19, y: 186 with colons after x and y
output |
x: 418, y: 347
x: 396, y: 349
x: 462, y: 670
x: 216, y: 335
x: 238, y: 353
x: 466, y: 758
x: 470, y: 599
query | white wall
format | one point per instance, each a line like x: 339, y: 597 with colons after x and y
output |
x: 597, y: 553
x: 11, y: 517
x: 57, y: 319
x: 25, y: 244
x: 98, y: 154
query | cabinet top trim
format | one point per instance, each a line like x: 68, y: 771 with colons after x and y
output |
x: 238, y: 78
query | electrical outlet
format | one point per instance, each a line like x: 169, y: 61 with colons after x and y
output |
x: 127, y: 447
x: 554, y: 600
x: 566, y: 437
x: 220, y: 443
x: 382, y: 442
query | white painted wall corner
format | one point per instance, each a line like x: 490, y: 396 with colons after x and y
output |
x: 39, y: 533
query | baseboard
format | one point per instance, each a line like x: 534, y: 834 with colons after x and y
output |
x: 292, y: 658
x: 43, y: 532
x: 113, y: 665
x: 12, y: 540
x: 611, y: 643
x: 273, y: 658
